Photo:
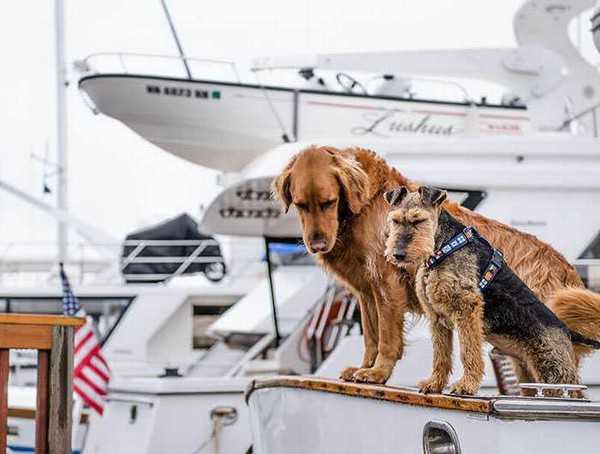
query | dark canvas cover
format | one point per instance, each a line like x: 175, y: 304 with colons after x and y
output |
x: 182, y: 227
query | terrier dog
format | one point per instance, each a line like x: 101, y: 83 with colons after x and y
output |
x: 463, y: 283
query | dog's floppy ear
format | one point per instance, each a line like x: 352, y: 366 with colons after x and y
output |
x: 281, y: 185
x: 395, y: 196
x: 432, y: 196
x: 353, y: 181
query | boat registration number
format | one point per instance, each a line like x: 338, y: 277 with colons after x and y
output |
x: 182, y: 92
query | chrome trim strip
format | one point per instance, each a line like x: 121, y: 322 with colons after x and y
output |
x: 546, y: 408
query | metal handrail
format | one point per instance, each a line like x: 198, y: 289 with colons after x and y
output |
x: 139, y: 246
x: 120, y: 263
x: 467, y: 97
x: 170, y: 242
x: 86, y: 66
x: 461, y: 88
x: 593, y: 111
x: 586, y: 262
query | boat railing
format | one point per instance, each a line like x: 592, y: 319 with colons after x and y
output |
x: 35, y: 262
x: 172, y: 65
x: 29, y: 264
x: 157, y: 65
x: 588, y: 119
x: 139, y: 247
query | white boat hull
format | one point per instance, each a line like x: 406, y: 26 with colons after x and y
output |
x: 298, y: 421
x: 226, y: 126
x: 171, y: 415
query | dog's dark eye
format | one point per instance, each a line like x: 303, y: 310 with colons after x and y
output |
x: 396, y: 221
x: 327, y: 205
x: 417, y: 221
x: 302, y: 206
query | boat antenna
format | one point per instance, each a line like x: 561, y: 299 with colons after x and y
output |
x: 61, y: 128
x: 176, y: 39
x: 284, y: 135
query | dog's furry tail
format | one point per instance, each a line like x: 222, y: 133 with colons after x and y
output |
x: 577, y: 338
x: 579, y: 309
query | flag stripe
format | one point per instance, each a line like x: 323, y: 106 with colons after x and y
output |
x: 94, y: 377
x: 81, y: 331
x: 99, y: 363
x: 101, y: 373
x: 92, y: 383
x: 83, y: 339
x: 86, y: 394
x: 91, y: 373
x: 84, y: 350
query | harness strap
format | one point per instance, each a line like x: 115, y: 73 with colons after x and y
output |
x: 449, y: 248
x: 459, y: 241
x: 493, y: 266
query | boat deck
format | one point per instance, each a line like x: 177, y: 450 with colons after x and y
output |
x: 380, y: 392
x: 498, y: 406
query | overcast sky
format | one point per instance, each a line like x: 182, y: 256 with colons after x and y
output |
x: 118, y: 181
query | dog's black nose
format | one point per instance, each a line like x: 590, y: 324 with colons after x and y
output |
x: 400, y: 256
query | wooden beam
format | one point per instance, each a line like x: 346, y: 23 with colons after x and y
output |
x: 41, y: 414
x: 379, y: 392
x: 29, y: 413
x: 61, y: 390
x: 4, y: 370
x: 21, y: 413
x: 38, y: 337
x: 39, y: 319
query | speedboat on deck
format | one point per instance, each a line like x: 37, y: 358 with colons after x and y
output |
x: 227, y: 124
x: 223, y: 115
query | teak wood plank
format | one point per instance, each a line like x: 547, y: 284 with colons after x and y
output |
x: 41, y: 413
x: 21, y: 413
x: 61, y: 390
x: 40, y: 319
x: 379, y: 392
x: 38, y: 337
x: 4, y: 370
x: 29, y: 413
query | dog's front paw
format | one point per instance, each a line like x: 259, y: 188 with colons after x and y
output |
x: 371, y: 375
x: 431, y: 385
x: 348, y: 373
x: 465, y: 387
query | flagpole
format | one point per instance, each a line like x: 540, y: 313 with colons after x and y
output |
x: 61, y: 140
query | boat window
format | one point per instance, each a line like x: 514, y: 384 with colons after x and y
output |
x: 204, y: 316
x: 287, y: 253
x: 105, y: 311
x: 469, y: 198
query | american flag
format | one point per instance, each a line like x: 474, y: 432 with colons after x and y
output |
x: 91, y: 373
